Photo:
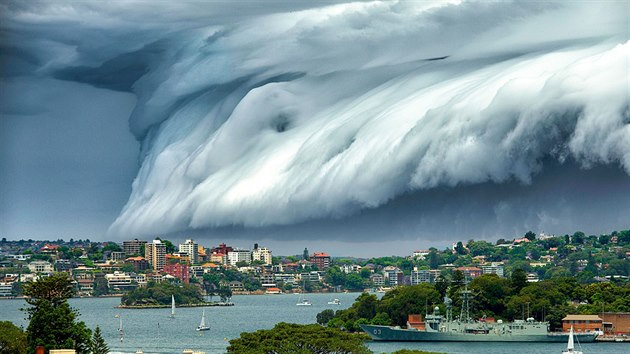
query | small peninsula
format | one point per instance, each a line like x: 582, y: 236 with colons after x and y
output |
x: 158, y: 295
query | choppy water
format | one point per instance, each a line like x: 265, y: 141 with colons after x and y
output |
x: 249, y: 314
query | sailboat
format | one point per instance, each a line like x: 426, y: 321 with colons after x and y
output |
x: 202, y: 326
x: 172, y: 307
x: 303, y: 301
x: 120, y: 328
x: 570, y: 346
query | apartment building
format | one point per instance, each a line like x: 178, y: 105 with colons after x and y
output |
x: 155, y: 254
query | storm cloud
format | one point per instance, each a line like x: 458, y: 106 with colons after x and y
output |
x: 278, y: 118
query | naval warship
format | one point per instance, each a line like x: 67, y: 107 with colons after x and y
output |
x: 438, y: 328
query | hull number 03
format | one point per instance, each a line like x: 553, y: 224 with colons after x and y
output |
x: 377, y: 331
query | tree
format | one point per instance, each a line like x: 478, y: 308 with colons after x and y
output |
x: 294, y: 338
x: 305, y: 255
x: 530, y: 235
x: 460, y: 249
x: 518, y: 280
x: 98, y: 345
x: 325, y: 316
x: 578, y: 238
x: 53, y: 322
x: 12, y: 339
x: 434, y: 259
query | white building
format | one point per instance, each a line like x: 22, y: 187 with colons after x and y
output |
x: 422, y: 276
x: 40, y: 267
x: 6, y: 289
x: 421, y: 254
x: 261, y: 254
x: 119, y: 280
x: 350, y: 268
x: 191, y: 249
x: 493, y: 269
x: 237, y: 255
x: 155, y: 254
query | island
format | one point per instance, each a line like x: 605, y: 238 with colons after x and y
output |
x: 159, y: 295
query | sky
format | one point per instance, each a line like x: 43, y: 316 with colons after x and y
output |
x: 358, y: 128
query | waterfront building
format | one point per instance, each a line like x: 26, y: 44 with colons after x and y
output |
x: 191, y: 249
x: 155, y: 253
x: 261, y: 254
x: 6, y: 289
x: 237, y: 256
x: 616, y: 323
x: 377, y: 279
x: 267, y: 280
x: 582, y: 323
x: 313, y: 276
x: 284, y: 278
x: 119, y: 281
x: 236, y: 285
x: 393, y: 276
x: 40, y: 267
x: 85, y: 281
x: 177, y: 270
x: 132, y: 247
x: 321, y: 260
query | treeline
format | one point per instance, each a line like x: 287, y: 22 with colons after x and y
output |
x: 160, y: 294
x: 506, y: 299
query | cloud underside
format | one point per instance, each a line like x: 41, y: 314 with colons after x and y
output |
x: 282, y: 116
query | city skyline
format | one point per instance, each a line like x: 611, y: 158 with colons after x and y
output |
x: 369, y: 128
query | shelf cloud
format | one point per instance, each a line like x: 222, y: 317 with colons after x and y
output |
x: 280, y: 114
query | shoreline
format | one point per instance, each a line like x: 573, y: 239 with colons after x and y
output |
x: 161, y: 306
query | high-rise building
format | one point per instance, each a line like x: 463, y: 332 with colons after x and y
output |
x: 132, y: 247
x: 261, y: 254
x: 191, y: 249
x: 321, y: 260
x: 155, y: 253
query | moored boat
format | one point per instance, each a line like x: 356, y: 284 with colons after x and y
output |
x: 438, y: 328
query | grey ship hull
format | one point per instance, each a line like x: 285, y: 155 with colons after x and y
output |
x: 386, y: 333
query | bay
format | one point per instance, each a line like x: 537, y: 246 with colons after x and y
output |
x: 152, y: 331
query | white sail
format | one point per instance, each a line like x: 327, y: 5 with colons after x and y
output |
x: 172, y: 306
x: 570, y: 345
x: 203, y: 318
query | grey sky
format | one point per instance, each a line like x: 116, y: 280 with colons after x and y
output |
x: 328, y: 126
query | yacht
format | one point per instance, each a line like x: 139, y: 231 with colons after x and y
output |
x: 202, y: 326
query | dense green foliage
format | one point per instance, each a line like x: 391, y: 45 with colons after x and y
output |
x: 160, y: 294
x: 12, y: 339
x: 298, y: 339
x: 52, y: 321
x: 507, y: 299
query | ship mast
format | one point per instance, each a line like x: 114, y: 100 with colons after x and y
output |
x: 465, y: 313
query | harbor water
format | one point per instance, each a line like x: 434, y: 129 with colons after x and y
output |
x: 152, y: 331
